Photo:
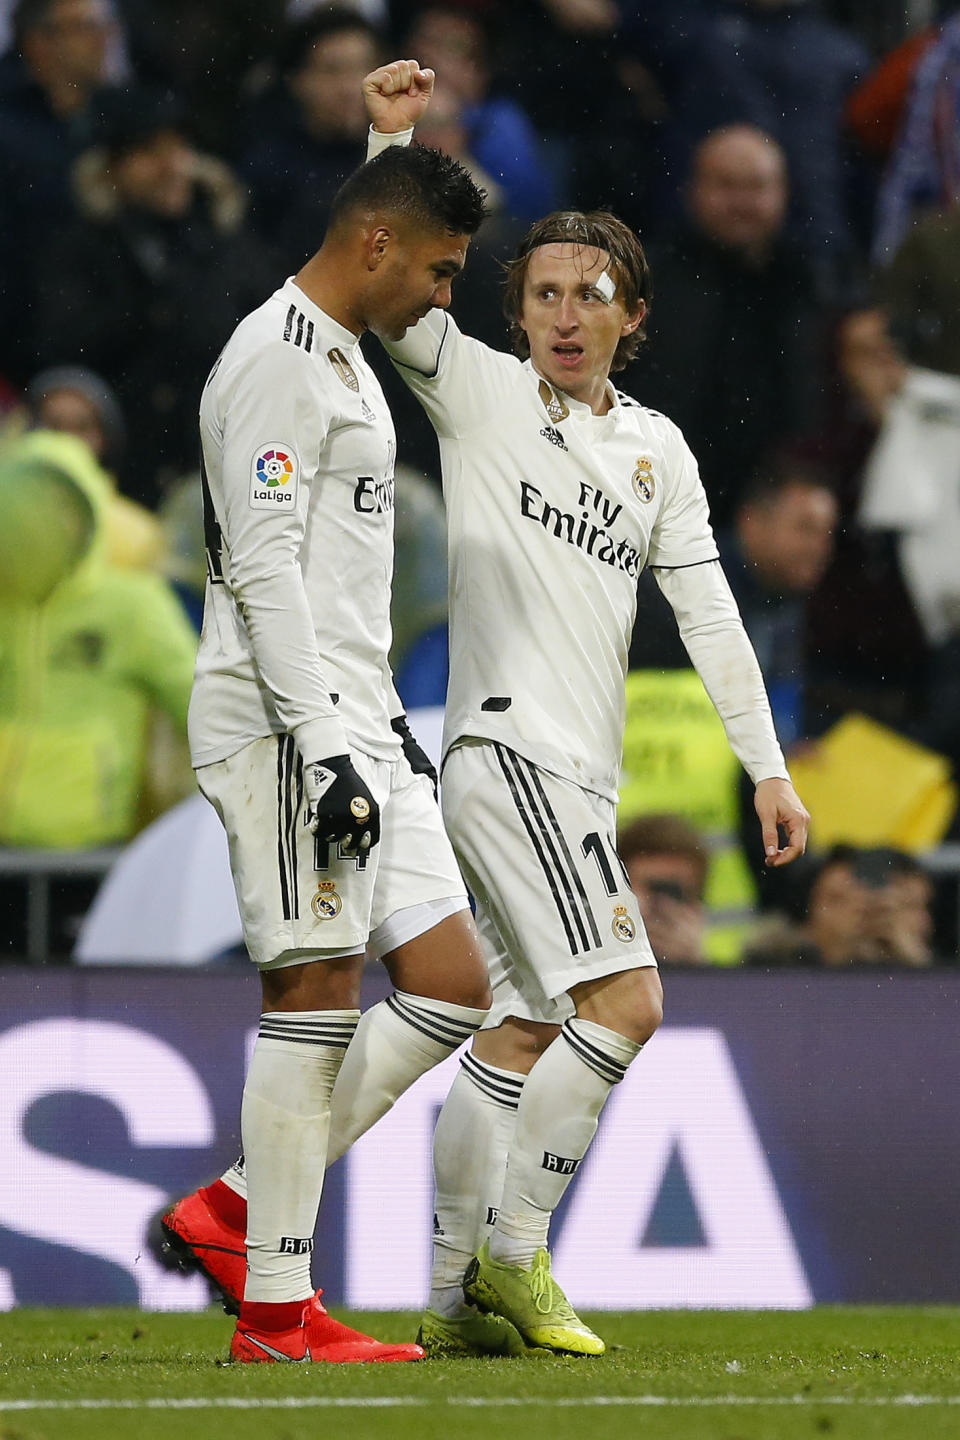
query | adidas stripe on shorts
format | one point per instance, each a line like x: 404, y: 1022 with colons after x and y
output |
x: 295, y: 893
x: 538, y: 853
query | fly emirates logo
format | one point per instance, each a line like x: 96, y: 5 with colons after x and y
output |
x: 588, y: 530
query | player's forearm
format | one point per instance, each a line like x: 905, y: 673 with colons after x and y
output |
x: 284, y: 644
x: 720, y: 650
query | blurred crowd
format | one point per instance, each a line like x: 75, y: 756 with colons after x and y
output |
x: 793, y: 169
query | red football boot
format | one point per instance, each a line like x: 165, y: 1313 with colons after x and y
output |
x: 309, y: 1334
x: 206, y: 1231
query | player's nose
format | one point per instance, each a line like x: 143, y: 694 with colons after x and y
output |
x: 442, y: 295
x: 566, y: 315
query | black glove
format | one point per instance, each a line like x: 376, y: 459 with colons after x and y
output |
x: 340, y: 807
x: 417, y: 758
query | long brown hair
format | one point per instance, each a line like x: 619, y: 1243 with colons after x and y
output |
x: 603, y: 231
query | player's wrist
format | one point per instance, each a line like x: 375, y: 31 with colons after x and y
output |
x: 379, y: 138
x: 323, y: 736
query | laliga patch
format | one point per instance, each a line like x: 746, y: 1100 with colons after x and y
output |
x: 274, y: 478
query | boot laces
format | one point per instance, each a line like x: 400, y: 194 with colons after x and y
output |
x: 546, y: 1293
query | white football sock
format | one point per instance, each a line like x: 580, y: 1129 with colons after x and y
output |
x: 396, y: 1042
x: 235, y: 1178
x: 399, y: 1040
x: 285, y: 1124
x: 470, y: 1147
x: 556, y: 1120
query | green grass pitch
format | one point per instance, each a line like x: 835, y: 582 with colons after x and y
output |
x: 668, y: 1375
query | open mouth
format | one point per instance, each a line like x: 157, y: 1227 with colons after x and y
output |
x: 568, y: 354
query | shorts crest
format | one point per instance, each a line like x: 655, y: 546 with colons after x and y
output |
x: 326, y: 904
x: 623, y: 927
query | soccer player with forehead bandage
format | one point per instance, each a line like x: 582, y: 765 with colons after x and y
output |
x: 559, y: 490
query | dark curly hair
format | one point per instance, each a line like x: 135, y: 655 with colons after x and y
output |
x: 418, y: 183
x: 603, y: 231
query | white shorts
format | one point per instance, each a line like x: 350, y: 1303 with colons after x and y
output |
x: 295, y: 893
x: 554, y: 905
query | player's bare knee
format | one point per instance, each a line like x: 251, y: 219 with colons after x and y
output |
x: 320, y: 982
x: 514, y: 1045
x: 630, y: 1003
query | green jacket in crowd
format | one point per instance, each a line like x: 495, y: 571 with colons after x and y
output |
x: 86, y: 653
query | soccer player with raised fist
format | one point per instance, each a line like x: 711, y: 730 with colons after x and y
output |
x: 299, y: 740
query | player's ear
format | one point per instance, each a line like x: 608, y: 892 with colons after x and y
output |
x: 633, y: 321
x: 378, y: 240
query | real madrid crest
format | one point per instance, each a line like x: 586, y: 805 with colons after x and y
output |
x: 552, y: 403
x: 644, y: 485
x: 344, y: 370
x: 326, y: 904
x: 623, y: 927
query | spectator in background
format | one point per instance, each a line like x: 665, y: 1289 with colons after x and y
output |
x: 920, y: 287
x: 865, y: 907
x: 148, y: 280
x: 309, y: 129
x: 89, y: 651
x: 499, y: 134
x: 48, y: 98
x: 666, y: 862
x: 782, y: 66
x: 865, y: 648
x: 924, y: 172
x: 733, y: 317
x: 774, y: 557
x: 78, y: 402
x: 920, y: 439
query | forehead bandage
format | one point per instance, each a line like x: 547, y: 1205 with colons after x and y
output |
x: 605, y: 286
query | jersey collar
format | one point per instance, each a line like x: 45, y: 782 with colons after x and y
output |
x: 576, y: 406
x: 338, y: 334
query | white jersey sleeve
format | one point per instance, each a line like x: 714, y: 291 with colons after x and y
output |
x: 459, y: 381
x: 268, y: 410
x: 712, y: 631
x: 682, y: 534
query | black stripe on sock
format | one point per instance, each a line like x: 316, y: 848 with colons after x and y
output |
x: 596, y: 1059
x: 534, y: 826
x: 307, y: 1027
x: 511, y: 1082
x: 447, y: 1026
x: 333, y: 1041
x: 422, y: 1022
x: 495, y: 1087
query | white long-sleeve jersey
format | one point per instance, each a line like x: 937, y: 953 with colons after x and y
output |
x: 298, y: 451
x: 552, y: 513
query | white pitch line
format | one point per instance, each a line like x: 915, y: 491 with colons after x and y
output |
x: 480, y: 1402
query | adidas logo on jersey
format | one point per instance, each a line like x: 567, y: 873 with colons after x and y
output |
x: 549, y: 433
